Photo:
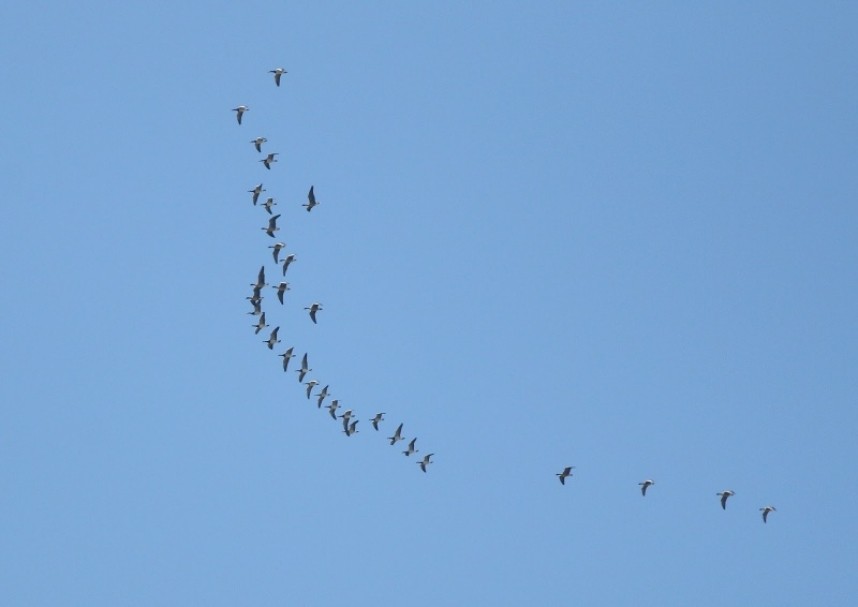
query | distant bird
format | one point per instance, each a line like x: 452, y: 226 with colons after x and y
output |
x: 397, y: 436
x: 256, y: 191
x: 277, y: 73
x: 256, y: 298
x: 646, y: 485
x: 316, y: 307
x: 332, y: 408
x: 766, y: 511
x: 304, y: 369
x: 378, y: 417
x: 281, y: 289
x: 346, y: 417
x: 351, y: 428
x: 287, y: 261
x: 257, y: 306
x: 260, y: 279
x: 277, y: 246
x: 310, y: 385
x: 567, y: 472
x: 239, y: 112
x: 724, y: 495
x: 286, y: 356
x: 273, y: 339
x: 311, y: 200
x: 269, y: 160
x: 257, y: 143
x: 411, y: 449
x: 322, y: 396
x: 261, y: 324
x: 425, y: 462
x: 268, y: 204
x: 272, y: 226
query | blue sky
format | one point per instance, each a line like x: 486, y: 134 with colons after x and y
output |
x: 619, y: 236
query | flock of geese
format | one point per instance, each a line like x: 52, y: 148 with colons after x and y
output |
x: 348, y: 419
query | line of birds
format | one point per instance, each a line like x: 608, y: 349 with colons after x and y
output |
x: 349, y: 421
x: 646, y: 484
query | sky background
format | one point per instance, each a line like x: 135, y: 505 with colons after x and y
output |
x: 619, y: 236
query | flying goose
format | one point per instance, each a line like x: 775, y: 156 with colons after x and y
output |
x: 277, y: 246
x: 425, y: 462
x: 286, y: 356
x: 310, y: 385
x: 351, y: 428
x: 273, y: 339
x: 260, y: 279
x: 256, y: 191
x: 277, y: 73
x: 645, y: 485
x: 239, y: 112
x: 724, y: 495
x: 411, y: 449
x: 257, y: 143
x: 281, y: 289
x: 311, y: 200
x: 260, y: 325
x: 257, y: 305
x: 378, y: 417
x: 567, y: 471
x: 268, y: 204
x: 269, y: 160
x: 766, y: 511
x: 287, y: 261
x: 316, y: 307
x: 304, y: 369
x: 272, y: 226
x: 397, y: 436
x: 332, y: 408
x: 322, y: 395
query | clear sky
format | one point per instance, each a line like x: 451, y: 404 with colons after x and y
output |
x: 614, y: 235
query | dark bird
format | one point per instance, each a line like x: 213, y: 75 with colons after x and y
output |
x: 268, y: 204
x: 269, y: 160
x: 273, y: 339
x: 310, y: 385
x: 277, y: 246
x: 397, y: 436
x: 411, y: 449
x: 257, y: 143
x: 256, y: 191
x: 272, y: 226
x: 260, y: 325
x: 378, y: 417
x: 304, y: 369
x: 287, y: 262
x: 322, y: 395
x: 332, y: 408
x: 567, y: 472
x: 239, y: 112
x: 281, y: 289
x: 311, y: 200
x: 351, y: 428
x: 316, y: 307
x: 724, y: 495
x: 260, y: 279
x: 646, y: 485
x: 277, y: 73
x: 425, y: 462
x: 286, y: 356
x: 766, y: 511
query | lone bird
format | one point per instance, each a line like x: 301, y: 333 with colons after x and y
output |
x: 304, y: 369
x: 322, y: 396
x: 272, y: 226
x: 310, y: 385
x: 311, y: 200
x: 277, y: 246
x: 411, y: 449
x: 287, y: 261
x: 316, y: 307
x: 425, y: 462
x: 766, y: 511
x: 281, y: 289
x: 273, y: 339
x: 286, y: 356
x: 257, y: 143
x: 256, y: 191
x: 645, y: 485
x: 332, y: 408
x: 239, y: 112
x: 567, y: 472
x: 269, y: 160
x: 277, y: 73
x: 377, y: 418
x: 351, y: 428
x: 260, y: 325
x: 724, y: 495
x: 268, y: 204
x: 397, y: 436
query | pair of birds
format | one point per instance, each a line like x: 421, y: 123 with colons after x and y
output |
x: 567, y: 472
x: 240, y: 110
x: 724, y: 495
x: 258, y: 189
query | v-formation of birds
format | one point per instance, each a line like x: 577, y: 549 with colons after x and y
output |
x: 284, y: 260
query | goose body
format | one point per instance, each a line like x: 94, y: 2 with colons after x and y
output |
x: 268, y: 204
x: 397, y: 436
x: 304, y: 369
x: 278, y: 72
x: 256, y: 191
x: 239, y: 112
x: 411, y: 448
x: 287, y: 261
x: 261, y: 324
x: 277, y: 246
x: 724, y: 495
x: 272, y: 226
x: 316, y: 307
x: 765, y: 510
x: 332, y: 409
x: 257, y: 143
x: 269, y: 160
x: 272, y: 339
x: 281, y: 289
x: 424, y: 463
x: 646, y: 485
x: 311, y: 200
x: 377, y: 418
x: 287, y: 355
x: 310, y: 385
x: 567, y: 472
x: 322, y: 396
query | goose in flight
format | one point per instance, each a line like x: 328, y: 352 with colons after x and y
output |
x: 281, y: 289
x: 256, y: 298
x: 316, y: 307
x: 239, y: 112
x: 310, y: 385
x: 311, y: 200
x: 277, y: 246
x: 260, y: 279
x: 765, y: 510
x: 286, y: 356
x: 304, y: 369
x: 724, y: 495
x: 256, y: 191
x: 346, y: 417
x: 646, y: 485
x: 260, y: 325
x: 411, y: 449
x: 287, y: 261
x: 273, y: 339
x: 269, y: 160
x: 277, y: 73
x: 268, y: 204
x: 351, y: 428
x: 322, y: 396
x: 257, y: 305
x: 332, y: 408
x: 567, y: 472
x: 377, y: 418
x: 272, y: 226
x: 425, y: 462
x: 257, y: 143
x: 397, y: 436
